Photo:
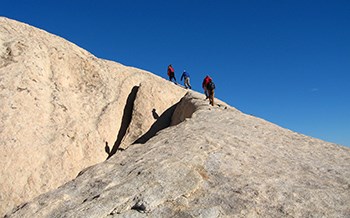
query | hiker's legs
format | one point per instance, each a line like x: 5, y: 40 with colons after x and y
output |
x: 187, y: 83
x: 206, y: 92
x: 172, y: 76
x: 211, y: 97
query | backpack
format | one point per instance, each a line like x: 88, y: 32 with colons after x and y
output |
x: 211, y: 86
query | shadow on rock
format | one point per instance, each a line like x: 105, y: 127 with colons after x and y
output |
x: 162, y: 122
x: 127, y: 115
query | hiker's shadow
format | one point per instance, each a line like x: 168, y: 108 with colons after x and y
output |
x: 163, y: 121
x: 154, y: 113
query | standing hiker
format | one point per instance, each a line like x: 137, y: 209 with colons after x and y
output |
x: 186, y: 77
x: 209, y: 87
x: 171, y: 73
x: 206, y: 81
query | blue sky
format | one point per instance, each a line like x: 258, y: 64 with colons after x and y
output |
x: 285, y: 61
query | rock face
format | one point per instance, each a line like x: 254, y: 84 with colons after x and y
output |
x: 216, y: 162
x: 61, y: 109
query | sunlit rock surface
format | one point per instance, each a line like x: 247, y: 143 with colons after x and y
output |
x: 216, y: 162
x: 61, y: 109
x: 169, y: 153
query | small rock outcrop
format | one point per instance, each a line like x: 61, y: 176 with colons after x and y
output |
x: 62, y: 109
x: 213, y: 162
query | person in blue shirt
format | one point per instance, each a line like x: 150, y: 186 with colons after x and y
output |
x: 186, y: 77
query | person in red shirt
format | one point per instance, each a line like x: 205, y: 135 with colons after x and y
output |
x: 171, y: 73
x: 209, y: 87
x: 206, y: 81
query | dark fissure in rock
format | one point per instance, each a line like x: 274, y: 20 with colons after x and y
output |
x: 127, y: 116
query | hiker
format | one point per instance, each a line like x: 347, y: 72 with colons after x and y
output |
x: 209, y: 87
x: 171, y: 73
x: 186, y: 78
x: 206, y: 81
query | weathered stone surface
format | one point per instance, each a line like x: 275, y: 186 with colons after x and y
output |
x: 60, y: 105
x: 216, y: 162
x: 61, y: 108
x: 149, y: 110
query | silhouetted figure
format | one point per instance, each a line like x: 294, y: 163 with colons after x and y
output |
x: 107, y: 149
x: 154, y: 113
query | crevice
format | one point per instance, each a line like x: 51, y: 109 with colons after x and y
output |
x: 185, y: 109
x: 127, y: 116
x: 172, y: 116
x: 139, y: 206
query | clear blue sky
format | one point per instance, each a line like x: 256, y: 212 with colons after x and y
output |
x: 285, y: 61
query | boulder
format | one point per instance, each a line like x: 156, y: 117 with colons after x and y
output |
x: 215, y: 162
x: 62, y: 109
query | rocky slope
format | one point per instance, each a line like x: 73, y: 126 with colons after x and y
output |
x: 216, y: 162
x: 61, y: 109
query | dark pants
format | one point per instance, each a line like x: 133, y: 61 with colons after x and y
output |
x: 211, y: 96
x: 172, y: 76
